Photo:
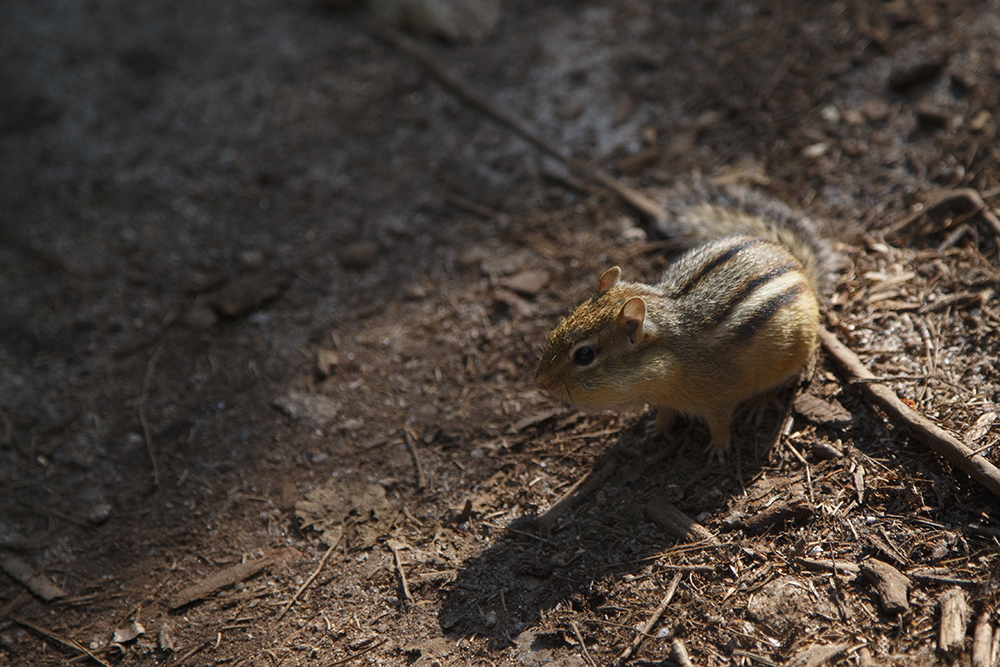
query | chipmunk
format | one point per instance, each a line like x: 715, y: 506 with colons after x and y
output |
x: 735, y: 316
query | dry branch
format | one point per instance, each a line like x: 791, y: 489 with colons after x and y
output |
x: 923, y: 429
x: 33, y: 581
x: 638, y: 200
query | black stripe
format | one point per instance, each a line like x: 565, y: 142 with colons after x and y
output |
x: 730, y: 252
x: 767, y: 311
x: 748, y: 288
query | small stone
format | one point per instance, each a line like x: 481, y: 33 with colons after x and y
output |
x: 246, y: 294
x: 816, y: 150
x: 359, y: 255
x: 830, y: 114
x: 252, y: 259
x: 98, y: 514
x: 853, y: 117
x: 326, y: 362
x: 980, y: 120
x: 415, y: 291
x: 529, y: 282
x: 875, y: 110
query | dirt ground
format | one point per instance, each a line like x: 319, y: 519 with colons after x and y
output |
x: 272, y: 299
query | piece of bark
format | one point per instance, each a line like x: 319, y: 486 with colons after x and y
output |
x: 777, y: 514
x: 982, y: 642
x: 37, y: 583
x: 891, y: 585
x: 219, y: 580
x: 827, y: 565
x: 817, y: 654
x: 666, y: 515
x: 954, y: 618
x: 819, y: 411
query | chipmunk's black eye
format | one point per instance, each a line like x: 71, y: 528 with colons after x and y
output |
x: 584, y: 356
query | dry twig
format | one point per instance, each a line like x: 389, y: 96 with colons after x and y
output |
x: 583, y: 645
x: 142, y: 412
x: 69, y: 643
x: 410, y: 438
x: 344, y: 661
x: 312, y: 577
x: 653, y: 620
x: 967, y: 194
x: 923, y: 429
x: 394, y: 546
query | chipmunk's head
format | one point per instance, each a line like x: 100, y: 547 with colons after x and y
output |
x: 586, y: 354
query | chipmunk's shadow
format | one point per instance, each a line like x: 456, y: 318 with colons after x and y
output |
x: 542, y: 566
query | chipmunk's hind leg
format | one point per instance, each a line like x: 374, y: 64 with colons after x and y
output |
x: 718, y: 427
x: 665, y: 418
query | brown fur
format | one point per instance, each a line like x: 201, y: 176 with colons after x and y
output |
x: 730, y: 319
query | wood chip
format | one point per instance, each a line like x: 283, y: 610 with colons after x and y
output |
x: 891, y: 585
x: 982, y: 642
x: 829, y: 566
x: 668, y: 517
x: 816, y: 655
x: 219, y: 580
x: 817, y: 410
x: 777, y: 514
x: 954, y: 618
x: 37, y: 583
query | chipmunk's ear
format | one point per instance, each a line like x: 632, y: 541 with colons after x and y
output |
x: 631, y: 322
x: 609, y: 279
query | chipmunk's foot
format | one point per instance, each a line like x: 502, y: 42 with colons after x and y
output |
x: 718, y: 451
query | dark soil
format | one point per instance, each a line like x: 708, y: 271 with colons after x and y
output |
x: 250, y: 251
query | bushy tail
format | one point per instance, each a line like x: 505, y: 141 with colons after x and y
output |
x: 700, y: 211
